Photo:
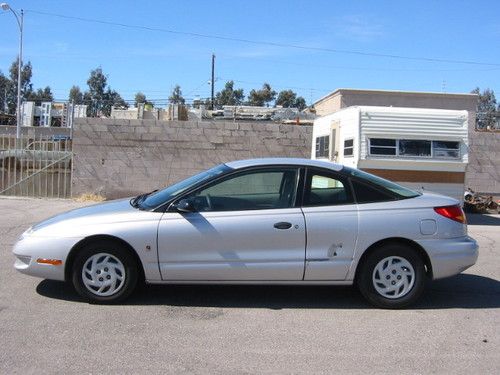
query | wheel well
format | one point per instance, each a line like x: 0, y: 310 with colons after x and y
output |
x: 402, y: 241
x: 97, y: 238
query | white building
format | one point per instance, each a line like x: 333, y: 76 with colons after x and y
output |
x: 51, y: 114
x: 416, y: 147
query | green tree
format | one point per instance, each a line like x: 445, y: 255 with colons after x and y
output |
x: 176, y: 96
x: 40, y: 95
x: 486, y: 108
x: 75, y: 95
x: 229, y: 96
x: 4, y: 89
x: 286, y: 98
x: 100, y: 98
x: 300, y: 103
x: 97, y: 91
x: 289, y: 99
x: 262, y: 97
x: 140, y: 98
x: 112, y: 99
x: 26, y: 85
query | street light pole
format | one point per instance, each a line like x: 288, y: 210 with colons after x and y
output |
x: 20, y: 20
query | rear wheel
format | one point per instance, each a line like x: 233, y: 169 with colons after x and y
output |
x: 104, y: 272
x: 392, y: 276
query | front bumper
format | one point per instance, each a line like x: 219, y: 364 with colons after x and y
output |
x: 450, y: 256
x: 31, y: 248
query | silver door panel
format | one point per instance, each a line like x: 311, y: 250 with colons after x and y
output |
x: 230, y: 245
x: 331, y: 241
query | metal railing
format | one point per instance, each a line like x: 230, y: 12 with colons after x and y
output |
x: 35, y: 166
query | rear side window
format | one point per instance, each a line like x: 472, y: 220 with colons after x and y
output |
x: 324, y: 189
x: 384, y: 184
x: 368, y: 194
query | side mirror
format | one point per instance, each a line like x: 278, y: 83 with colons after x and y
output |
x: 184, y: 205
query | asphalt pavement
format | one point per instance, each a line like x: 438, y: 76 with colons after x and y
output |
x: 46, y: 328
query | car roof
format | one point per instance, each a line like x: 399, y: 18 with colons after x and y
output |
x: 238, y: 164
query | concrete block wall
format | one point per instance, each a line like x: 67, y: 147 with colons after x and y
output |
x: 119, y: 158
x: 483, y: 171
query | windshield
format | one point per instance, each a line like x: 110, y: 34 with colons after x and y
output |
x: 395, y: 188
x: 158, y: 198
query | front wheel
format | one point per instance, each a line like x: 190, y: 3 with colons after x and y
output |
x: 392, y: 276
x: 104, y: 272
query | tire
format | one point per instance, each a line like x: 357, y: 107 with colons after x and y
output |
x: 392, y: 276
x: 104, y: 272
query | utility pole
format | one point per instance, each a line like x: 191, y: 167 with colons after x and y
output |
x: 213, y: 79
x: 20, y: 20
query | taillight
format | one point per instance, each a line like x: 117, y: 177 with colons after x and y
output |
x: 452, y: 212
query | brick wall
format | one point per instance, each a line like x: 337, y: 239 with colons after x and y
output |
x: 118, y: 158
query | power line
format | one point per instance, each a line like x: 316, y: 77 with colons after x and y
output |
x: 260, y: 42
x: 279, y: 87
x: 357, y: 68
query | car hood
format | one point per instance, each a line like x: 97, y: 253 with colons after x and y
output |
x: 94, y: 214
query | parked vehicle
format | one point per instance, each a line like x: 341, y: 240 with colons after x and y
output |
x: 261, y: 221
x: 34, y: 154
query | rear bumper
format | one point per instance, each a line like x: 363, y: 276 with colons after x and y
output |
x: 450, y: 256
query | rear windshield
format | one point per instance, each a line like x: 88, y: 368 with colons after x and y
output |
x: 386, y: 184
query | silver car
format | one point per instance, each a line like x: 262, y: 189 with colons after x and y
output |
x: 262, y: 221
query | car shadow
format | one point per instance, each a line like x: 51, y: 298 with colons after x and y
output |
x: 480, y: 219
x: 461, y: 291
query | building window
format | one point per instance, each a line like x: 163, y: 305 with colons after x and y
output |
x: 446, y: 149
x: 323, y: 147
x: 414, y: 148
x: 380, y: 146
x: 349, y: 147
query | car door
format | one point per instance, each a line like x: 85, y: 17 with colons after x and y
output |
x: 244, y: 227
x: 332, y: 225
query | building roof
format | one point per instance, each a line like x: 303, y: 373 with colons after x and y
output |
x: 395, y: 92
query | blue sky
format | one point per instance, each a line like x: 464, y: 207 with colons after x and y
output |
x: 63, y: 51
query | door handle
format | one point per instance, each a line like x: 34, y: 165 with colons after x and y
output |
x: 283, y: 225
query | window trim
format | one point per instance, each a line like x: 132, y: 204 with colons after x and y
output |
x: 234, y: 173
x: 397, y: 154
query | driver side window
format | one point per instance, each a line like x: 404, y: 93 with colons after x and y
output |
x: 250, y: 190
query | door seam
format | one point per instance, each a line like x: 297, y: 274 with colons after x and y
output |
x: 305, y: 244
